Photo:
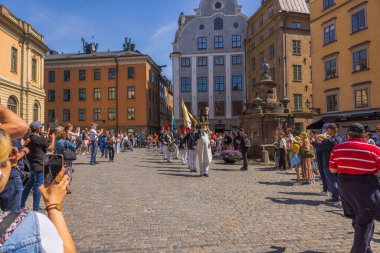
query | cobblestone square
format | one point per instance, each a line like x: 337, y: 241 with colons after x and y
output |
x: 139, y: 203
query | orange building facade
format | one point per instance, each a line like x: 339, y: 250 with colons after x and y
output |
x: 117, y: 90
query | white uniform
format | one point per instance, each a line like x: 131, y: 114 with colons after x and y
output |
x: 166, y: 141
x: 203, y: 150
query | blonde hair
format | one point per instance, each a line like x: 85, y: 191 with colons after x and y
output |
x: 5, y: 146
x: 61, y: 135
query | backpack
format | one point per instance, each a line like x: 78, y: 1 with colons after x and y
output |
x: 247, y: 141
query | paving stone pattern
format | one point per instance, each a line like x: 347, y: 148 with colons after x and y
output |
x: 139, y: 203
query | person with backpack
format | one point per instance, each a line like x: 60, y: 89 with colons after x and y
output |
x: 244, y: 144
x: 62, y: 144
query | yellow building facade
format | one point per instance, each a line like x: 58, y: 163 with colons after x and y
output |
x: 279, y: 34
x: 345, y: 38
x: 21, y: 67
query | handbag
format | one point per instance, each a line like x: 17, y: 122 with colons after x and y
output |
x: 68, y: 154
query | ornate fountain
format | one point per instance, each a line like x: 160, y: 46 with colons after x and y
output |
x: 265, y: 116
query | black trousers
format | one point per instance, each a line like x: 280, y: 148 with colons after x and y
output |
x: 244, y: 153
x: 361, y: 202
x: 282, y: 161
x: 112, y: 153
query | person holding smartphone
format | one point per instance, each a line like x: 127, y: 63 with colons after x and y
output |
x: 45, y: 234
x: 38, y: 147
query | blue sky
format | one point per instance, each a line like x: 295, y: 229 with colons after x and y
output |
x: 150, y: 23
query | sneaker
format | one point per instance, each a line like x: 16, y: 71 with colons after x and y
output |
x: 206, y: 175
x: 331, y: 200
x: 243, y: 168
x: 322, y: 193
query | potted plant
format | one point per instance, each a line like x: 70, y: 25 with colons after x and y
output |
x: 231, y: 156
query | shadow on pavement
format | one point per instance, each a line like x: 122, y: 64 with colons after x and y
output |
x: 276, y: 249
x: 267, y: 169
x: 336, y: 212
x: 301, y: 193
x: 225, y: 169
x: 179, y: 175
x: 155, y: 162
x: 282, y: 183
x: 172, y: 171
x: 288, y: 201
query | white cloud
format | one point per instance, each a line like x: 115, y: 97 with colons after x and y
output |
x: 164, y: 30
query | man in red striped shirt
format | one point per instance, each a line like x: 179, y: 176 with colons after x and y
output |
x: 357, y: 164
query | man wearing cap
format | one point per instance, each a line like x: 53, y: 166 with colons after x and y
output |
x: 244, y: 144
x: 325, y: 147
x: 357, y: 164
x: 94, y: 137
x: 38, y: 147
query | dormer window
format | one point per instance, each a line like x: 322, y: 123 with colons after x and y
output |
x: 218, y: 24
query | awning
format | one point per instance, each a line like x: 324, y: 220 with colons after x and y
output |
x: 320, y: 122
x: 344, y: 117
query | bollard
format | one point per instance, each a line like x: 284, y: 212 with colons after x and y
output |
x: 264, y: 156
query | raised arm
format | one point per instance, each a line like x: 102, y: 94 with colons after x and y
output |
x: 12, y: 123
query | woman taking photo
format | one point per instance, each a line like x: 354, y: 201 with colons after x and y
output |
x: 31, y: 231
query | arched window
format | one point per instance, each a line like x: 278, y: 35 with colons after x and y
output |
x: 218, y: 24
x: 12, y: 104
x: 36, y: 111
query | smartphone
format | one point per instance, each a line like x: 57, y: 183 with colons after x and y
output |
x: 52, y: 166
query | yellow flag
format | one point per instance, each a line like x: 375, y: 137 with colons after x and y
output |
x: 187, y: 117
x: 185, y: 114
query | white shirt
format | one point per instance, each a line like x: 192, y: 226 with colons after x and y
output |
x: 50, y: 239
x: 93, y: 135
x: 283, y: 143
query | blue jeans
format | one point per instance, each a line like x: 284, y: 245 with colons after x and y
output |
x: 94, y: 151
x: 36, y: 180
x: 102, y: 148
x: 10, y: 198
x: 331, y: 178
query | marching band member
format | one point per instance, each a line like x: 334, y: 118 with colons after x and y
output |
x: 189, y: 141
x: 203, y: 150
x: 182, y: 147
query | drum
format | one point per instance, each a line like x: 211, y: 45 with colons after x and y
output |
x: 172, y: 147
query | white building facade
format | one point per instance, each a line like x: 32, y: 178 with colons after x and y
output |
x: 209, y: 63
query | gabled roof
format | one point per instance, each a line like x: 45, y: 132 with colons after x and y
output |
x: 298, y: 6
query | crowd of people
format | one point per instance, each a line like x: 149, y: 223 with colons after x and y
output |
x: 346, y: 165
x: 193, y: 147
x: 309, y: 154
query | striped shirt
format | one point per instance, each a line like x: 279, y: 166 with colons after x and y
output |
x: 355, y: 156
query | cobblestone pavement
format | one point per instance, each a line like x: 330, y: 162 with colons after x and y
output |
x: 141, y: 204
